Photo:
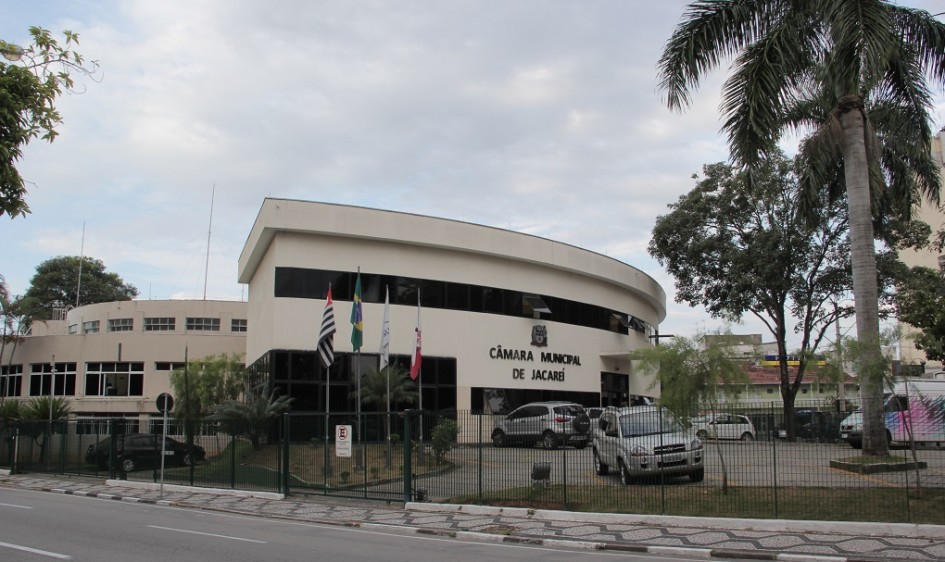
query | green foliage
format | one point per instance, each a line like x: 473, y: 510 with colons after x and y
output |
x: 374, y: 388
x: 738, y: 243
x: 204, y: 383
x: 920, y: 302
x: 28, y: 92
x: 56, y: 284
x: 41, y: 408
x: 252, y: 415
x: 693, y: 378
x: 10, y: 412
x: 853, y: 74
x: 14, y: 321
x: 444, y: 438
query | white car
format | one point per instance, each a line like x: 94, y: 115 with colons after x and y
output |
x: 724, y: 426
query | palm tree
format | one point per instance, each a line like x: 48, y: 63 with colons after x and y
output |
x: 252, y: 415
x: 385, y: 388
x: 868, y: 60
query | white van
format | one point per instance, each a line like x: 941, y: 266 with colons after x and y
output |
x: 918, y: 404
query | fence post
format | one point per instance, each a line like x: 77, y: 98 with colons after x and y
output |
x: 774, y: 459
x: 286, y: 439
x: 408, y: 469
x: 233, y: 462
x: 564, y: 474
x: 480, y: 456
x: 16, y: 446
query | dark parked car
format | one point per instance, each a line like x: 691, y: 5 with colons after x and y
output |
x: 142, y: 450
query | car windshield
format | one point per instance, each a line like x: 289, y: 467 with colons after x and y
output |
x: 648, y: 423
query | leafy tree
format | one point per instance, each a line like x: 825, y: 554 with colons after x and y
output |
x: 204, y: 383
x: 57, y: 284
x: 694, y: 379
x: 737, y: 246
x: 29, y: 88
x: 28, y: 91
x: 252, y: 415
x: 868, y: 62
x: 920, y: 302
x: 13, y: 326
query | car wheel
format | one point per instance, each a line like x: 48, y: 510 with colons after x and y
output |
x: 599, y: 467
x: 625, y: 477
x: 747, y: 436
x: 127, y: 464
x: 498, y: 439
x: 702, y: 434
x: 187, y: 460
x: 697, y: 476
x: 549, y: 440
x: 856, y: 444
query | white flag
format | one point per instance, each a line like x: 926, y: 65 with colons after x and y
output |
x: 385, y: 331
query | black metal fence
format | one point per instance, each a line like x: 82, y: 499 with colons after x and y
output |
x: 450, y: 457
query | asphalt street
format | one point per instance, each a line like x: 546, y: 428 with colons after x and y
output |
x: 680, y: 537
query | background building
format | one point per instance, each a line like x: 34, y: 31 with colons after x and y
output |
x: 933, y: 215
x: 113, y: 359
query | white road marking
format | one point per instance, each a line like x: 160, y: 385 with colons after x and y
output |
x: 14, y: 505
x: 204, y: 534
x: 35, y: 551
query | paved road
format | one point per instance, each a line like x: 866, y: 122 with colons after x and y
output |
x: 797, y: 541
x: 105, y: 531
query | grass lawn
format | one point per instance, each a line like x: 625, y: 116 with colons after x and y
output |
x: 824, y: 504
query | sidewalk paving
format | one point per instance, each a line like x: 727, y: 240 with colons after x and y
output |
x: 765, y: 539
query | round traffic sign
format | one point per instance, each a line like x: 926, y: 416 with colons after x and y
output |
x: 165, y: 402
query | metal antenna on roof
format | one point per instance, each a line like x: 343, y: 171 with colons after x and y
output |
x: 206, y: 269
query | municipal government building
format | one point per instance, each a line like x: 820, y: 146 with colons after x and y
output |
x: 506, y: 318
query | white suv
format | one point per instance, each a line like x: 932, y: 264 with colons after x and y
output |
x: 646, y: 441
x: 552, y: 423
x: 724, y: 426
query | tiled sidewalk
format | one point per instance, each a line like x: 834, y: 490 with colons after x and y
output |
x: 748, y: 539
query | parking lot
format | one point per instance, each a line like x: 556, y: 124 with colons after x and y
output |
x: 484, y: 469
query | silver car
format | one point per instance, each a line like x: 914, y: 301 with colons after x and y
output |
x: 551, y: 423
x: 644, y: 441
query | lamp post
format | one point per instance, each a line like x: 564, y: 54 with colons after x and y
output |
x: 10, y: 51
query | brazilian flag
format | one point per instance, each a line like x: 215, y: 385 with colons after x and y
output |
x: 357, y: 318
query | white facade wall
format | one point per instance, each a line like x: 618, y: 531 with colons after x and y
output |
x: 310, y: 235
x: 51, y: 341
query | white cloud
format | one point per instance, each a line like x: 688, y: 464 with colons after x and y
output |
x: 538, y: 115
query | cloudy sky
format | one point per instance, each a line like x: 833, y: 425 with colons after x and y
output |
x: 539, y: 116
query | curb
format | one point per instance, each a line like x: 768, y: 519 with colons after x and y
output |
x: 908, y: 530
x: 154, y: 486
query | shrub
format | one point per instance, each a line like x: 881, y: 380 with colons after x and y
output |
x: 444, y: 438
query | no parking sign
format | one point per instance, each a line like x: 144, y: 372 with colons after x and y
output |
x: 342, y: 440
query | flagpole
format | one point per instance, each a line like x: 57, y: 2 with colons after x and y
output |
x: 420, y: 383
x: 326, y: 351
x: 385, y: 364
x: 357, y: 331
